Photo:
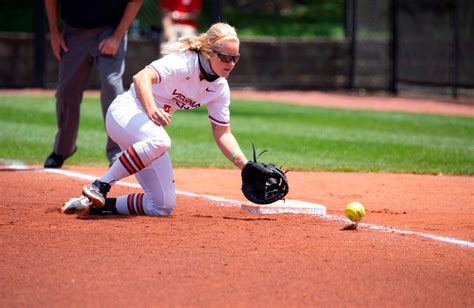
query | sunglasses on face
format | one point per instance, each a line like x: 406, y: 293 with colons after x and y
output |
x: 226, y: 58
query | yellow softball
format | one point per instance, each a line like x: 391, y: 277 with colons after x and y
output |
x: 355, y: 211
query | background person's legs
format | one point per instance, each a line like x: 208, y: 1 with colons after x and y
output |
x: 111, y: 70
x: 74, y: 70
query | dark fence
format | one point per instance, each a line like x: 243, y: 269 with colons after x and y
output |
x: 418, y: 43
x: 265, y: 63
x: 424, y: 46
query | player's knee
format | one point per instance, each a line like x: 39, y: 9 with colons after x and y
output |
x: 160, y: 145
x: 166, y: 143
x: 160, y: 211
x: 161, y: 205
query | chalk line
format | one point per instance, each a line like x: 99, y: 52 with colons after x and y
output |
x: 230, y: 202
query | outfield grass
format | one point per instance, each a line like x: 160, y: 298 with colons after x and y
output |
x: 299, y: 137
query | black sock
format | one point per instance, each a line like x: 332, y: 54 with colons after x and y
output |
x: 108, y: 208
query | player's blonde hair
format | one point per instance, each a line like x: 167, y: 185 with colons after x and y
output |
x: 204, y: 42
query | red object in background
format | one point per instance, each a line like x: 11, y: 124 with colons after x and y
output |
x: 182, y: 6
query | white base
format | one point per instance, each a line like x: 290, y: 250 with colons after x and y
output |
x: 285, y: 206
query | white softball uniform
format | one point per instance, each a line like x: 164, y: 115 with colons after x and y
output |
x: 145, y: 144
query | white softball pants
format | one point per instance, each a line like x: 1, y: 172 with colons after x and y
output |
x: 128, y: 125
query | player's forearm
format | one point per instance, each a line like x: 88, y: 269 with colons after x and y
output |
x: 128, y: 17
x: 228, y: 145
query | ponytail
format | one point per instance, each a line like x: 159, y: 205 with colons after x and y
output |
x: 204, y: 43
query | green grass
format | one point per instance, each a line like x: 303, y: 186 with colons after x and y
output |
x: 299, y: 137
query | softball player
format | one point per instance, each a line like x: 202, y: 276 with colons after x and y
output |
x: 192, y: 73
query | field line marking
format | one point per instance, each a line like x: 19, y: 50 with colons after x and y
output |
x: 230, y: 202
x: 386, y: 229
x: 78, y: 175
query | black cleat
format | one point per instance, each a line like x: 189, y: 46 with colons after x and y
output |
x: 56, y: 161
x: 96, y: 193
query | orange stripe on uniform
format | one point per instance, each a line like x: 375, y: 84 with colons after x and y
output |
x: 131, y: 208
x: 135, y: 158
x: 140, y: 205
x: 126, y: 164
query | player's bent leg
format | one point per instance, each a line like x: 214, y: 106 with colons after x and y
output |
x: 158, y: 199
x: 127, y: 124
x: 159, y: 196
x: 161, y: 205
x: 145, y: 204
x: 136, y: 158
x: 142, y: 141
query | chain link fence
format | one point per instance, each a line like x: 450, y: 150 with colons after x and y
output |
x: 371, y: 44
x: 417, y: 45
x: 393, y: 45
x: 435, y: 43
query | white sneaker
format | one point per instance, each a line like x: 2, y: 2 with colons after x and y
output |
x: 76, y: 205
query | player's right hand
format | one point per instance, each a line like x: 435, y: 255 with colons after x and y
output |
x: 160, y: 117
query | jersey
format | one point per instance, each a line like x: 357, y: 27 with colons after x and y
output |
x: 180, y: 88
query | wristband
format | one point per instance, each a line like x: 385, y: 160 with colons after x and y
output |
x: 235, y: 156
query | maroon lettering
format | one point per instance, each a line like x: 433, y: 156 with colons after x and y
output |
x: 183, y: 102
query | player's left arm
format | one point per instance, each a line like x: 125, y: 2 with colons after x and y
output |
x: 228, y: 145
x: 110, y: 45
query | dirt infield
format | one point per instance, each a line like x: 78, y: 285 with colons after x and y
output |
x: 210, y: 254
